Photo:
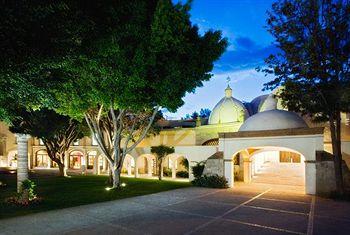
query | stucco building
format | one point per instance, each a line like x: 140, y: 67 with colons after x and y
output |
x: 256, y: 141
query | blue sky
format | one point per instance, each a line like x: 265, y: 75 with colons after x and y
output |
x: 242, y: 22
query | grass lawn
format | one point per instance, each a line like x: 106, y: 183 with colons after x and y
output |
x: 60, y: 192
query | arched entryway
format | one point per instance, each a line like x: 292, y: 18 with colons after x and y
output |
x: 41, y: 159
x: 176, y: 166
x: 128, y: 165
x: 76, y: 160
x: 145, y: 165
x: 270, y: 165
x: 304, y: 141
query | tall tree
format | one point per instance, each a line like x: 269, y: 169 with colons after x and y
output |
x: 312, y: 64
x: 140, y: 55
x: 204, y: 113
x: 56, y: 131
x: 161, y: 152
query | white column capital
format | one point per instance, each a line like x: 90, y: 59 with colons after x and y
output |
x: 22, y: 137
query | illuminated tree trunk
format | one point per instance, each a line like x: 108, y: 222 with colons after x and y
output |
x: 335, y: 125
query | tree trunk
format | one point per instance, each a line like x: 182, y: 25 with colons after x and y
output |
x: 336, y: 146
x: 115, y: 176
x: 62, y: 170
x: 160, y: 170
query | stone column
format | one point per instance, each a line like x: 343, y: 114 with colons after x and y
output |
x: 129, y: 167
x: 173, y: 169
x: 104, y: 164
x: 49, y: 163
x: 136, y: 168
x: 228, y: 172
x: 22, y: 159
x: 190, y: 173
x: 150, y: 167
x: 247, y: 164
x: 310, y: 177
x: 95, y: 165
x: 83, y: 164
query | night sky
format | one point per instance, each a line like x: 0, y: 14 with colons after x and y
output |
x: 242, y: 22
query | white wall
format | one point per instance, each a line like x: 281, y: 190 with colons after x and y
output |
x: 306, y: 145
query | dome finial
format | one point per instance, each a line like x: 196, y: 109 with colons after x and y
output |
x: 228, y: 90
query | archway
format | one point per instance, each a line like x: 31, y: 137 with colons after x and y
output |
x: 270, y: 165
x: 145, y: 165
x: 91, y: 159
x: 42, y: 159
x: 76, y: 160
x: 128, y: 165
x: 176, y: 166
x: 12, y: 159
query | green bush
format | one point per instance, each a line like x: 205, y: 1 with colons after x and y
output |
x: 182, y: 174
x: 198, y: 169
x: 166, y: 172
x: 212, y: 181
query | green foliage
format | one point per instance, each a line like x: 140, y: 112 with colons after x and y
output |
x: 194, y: 115
x: 162, y: 151
x: 204, y: 113
x: 184, y: 162
x: 312, y: 64
x: 29, y: 187
x: 212, y: 181
x: 182, y: 174
x: 26, y: 196
x: 198, y: 169
x: 167, y: 171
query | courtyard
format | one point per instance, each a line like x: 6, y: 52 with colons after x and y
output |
x: 245, y: 209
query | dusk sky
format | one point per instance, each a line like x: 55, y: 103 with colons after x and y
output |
x: 242, y: 22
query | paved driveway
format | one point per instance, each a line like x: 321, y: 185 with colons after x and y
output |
x: 246, y: 209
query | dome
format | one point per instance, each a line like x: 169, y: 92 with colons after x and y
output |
x: 256, y: 102
x: 271, y: 102
x: 273, y: 120
x: 228, y: 110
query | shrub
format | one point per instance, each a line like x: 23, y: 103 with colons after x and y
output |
x: 26, y: 196
x: 198, y: 169
x: 182, y: 174
x: 211, y: 181
x: 184, y: 163
x: 167, y: 171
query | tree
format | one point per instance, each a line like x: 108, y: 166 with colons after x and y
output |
x: 124, y: 74
x: 204, y: 113
x: 312, y: 64
x: 56, y: 131
x: 161, y: 152
x: 194, y: 115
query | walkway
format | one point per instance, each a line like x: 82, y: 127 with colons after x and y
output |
x: 281, y: 173
x: 246, y: 209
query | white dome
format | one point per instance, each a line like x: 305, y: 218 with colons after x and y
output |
x: 273, y: 120
x: 228, y: 110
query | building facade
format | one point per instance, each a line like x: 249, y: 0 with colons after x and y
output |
x: 237, y: 141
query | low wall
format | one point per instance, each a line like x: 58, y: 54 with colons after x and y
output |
x: 325, y: 176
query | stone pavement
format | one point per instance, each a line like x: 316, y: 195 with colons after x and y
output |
x: 246, y: 209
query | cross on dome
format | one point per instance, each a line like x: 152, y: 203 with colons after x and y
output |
x: 228, y: 90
